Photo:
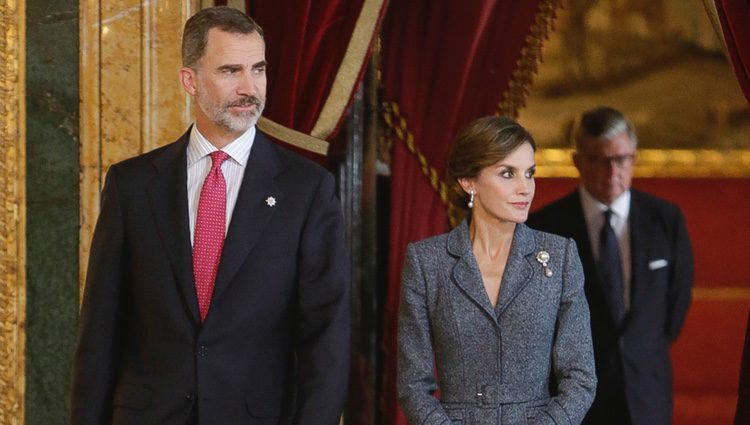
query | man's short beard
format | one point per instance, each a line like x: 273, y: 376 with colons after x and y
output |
x: 239, y: 123
x: 222, y: 116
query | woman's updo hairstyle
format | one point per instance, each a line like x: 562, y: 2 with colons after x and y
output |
x: 484, y: 142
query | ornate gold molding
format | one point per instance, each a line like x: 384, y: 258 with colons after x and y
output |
x: 131, y: 99
x: 722, y: 293
x: 12, y: 212
x: 658, y: 163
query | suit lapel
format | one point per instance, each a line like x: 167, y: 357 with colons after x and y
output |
x: 640, y: 228
x: 465, y: 273
x: 518, y: 268
x: 580, y: 233
x: 251, y: 212
x: 167, y: 194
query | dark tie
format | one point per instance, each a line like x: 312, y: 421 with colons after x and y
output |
x: 610, y: 269
x: 209, y: 232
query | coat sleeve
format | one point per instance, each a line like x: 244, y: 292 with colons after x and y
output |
x: 100, y: 330
x: 572, y: 351
x: 323, y: 308
x: 680, y: 279
x: 416, y: 383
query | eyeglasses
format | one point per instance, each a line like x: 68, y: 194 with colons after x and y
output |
x: 619, y: 161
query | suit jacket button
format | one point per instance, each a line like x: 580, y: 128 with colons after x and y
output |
x: 190, y: 397
x: 202, y: 351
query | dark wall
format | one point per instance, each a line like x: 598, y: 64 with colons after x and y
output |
x: 52, y: 166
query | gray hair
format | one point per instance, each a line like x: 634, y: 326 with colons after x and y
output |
x: 601, y: 123
x: 195, y: 34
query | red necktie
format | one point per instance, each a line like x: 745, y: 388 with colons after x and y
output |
x: 209, y: 232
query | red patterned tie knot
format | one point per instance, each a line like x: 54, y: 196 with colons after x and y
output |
x: 218, y: 158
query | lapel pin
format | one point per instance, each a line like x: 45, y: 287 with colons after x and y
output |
x: 271, y: 201
x: 543, y: 258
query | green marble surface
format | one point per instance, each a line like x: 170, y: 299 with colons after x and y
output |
x: 52, y: 206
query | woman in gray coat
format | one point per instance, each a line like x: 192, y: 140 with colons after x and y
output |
x: 497, y: 308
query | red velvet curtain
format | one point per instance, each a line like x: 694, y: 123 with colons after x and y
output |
x: 316, y: 53
x: 444, y: 63
x: 734, y: 16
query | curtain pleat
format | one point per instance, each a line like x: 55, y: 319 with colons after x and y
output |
x: 316, y: 53
x: 734, y: 16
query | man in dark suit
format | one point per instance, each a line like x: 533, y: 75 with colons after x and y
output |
x: 638, y: 265
x: 218, y: 283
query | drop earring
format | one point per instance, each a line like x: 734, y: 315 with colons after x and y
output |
x: 471, y: 199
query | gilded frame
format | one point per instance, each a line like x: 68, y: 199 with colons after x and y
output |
x: 12, y: 212
x: 659, y: 163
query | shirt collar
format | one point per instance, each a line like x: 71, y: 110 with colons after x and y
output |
x: 593, y: 208
x: 238, y: 149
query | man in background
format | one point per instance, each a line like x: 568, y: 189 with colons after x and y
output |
x: 218, y: 283
x: 638, y: 265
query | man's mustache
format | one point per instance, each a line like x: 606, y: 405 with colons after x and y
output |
x: 245, y: 101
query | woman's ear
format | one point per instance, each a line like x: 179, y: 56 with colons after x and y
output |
x: 467, y: 184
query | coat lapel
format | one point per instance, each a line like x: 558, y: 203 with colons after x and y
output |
x: 167, y: 194
x: 467, y: 276
x: 465, y: 273
x: 251, y: 212
x: 518, y: 268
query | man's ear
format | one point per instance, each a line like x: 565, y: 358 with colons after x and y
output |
x: 577, y: 159
x: 187, y: 78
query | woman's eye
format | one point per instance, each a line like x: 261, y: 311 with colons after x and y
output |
x: 507, y: 174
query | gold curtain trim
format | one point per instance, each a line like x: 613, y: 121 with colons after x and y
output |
x: 351, y: 66
x: 397, y: 125
x: 293, y: 137
x: 12, y: 211
x: 514, y: 97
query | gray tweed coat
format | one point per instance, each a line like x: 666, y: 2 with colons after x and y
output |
x: 527, y: 361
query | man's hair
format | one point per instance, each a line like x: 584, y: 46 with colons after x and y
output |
x: 195, y: 34
x: 482, y: 143
x: 601, y: 123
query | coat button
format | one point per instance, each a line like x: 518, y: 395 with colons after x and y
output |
x: 202, y: 351
x: 190, y: 397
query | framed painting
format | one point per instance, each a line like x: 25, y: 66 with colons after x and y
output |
x: 662, y: 64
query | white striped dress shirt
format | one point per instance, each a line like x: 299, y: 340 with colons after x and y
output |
x: 593, y: 212
x: 199, y: 164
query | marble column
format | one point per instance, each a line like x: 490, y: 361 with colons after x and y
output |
x: 131, y: 98
x: 12, y: 211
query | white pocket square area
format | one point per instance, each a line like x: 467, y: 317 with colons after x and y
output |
x: 657, y: 264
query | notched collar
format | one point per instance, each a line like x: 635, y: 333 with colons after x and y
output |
x: 467, y: 276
